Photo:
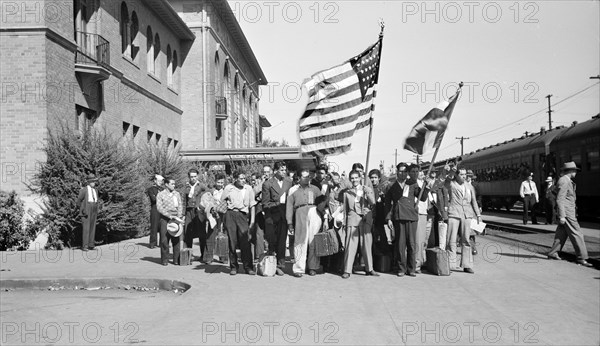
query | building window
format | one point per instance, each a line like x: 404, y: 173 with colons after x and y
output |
x: 169, y: 66
x: 126, y: 127
x: 135, y: 131
x: 156, y: 67
x: 174, y: 70
x: 169, y: 140
x: 85, y: 119
x: 157, y: 137
x: 593, y: 159
x: 149, y: 50
x: 175, y: 143
x: 150, y: 135
x: 125, y: 28
x: 134, y: 49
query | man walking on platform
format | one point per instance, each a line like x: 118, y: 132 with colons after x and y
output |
x: 567, y: 224
x: 529, y: 193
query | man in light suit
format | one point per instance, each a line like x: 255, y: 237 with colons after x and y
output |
x: 357, y: 203
x: 274, y: 196
x: 567, y: 224
x: 88, y: 211
x: 462, y: 208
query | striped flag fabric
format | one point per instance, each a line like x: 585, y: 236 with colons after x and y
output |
x: 340, y: 102
x: 428, y: 133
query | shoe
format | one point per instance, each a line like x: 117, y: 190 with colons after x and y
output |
x: 233, y: 272
x: 165, y: 263
x: 469, y: 270
x: 418, y: 271
x: 250, y: 272
x: 474, y: 252
x: 84, y: 249
x: 400, y: 274
x: 152, y: 246
x: 554, y: 256
x: 372, y: 273
x: 345, y: 275
x: 312, y: 272
x: 412, y: 275
x: 534, y: 223
x: 585, y: 263
x: 298, y: 275
x: 279, y: 272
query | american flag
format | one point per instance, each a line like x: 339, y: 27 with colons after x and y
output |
x: 340, y: 102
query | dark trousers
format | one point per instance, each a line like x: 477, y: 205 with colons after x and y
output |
x: 258, y: 236
x: 550, y: 205
x: 194, y: 228
x: 405, y: 246
x: 236, y: 224
x: 529, y: 205
x: 276, y: 235
x: 154, y: 225
x: 165, y: 237
x: 89, y: 226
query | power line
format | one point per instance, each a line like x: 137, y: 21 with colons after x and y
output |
x: 535, y: 113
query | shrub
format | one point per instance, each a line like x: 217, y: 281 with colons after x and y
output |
x: 120, y: 190
x: 13, y: 232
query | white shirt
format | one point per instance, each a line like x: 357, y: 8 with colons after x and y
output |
x: 92, y: 196
x: 529, y: 188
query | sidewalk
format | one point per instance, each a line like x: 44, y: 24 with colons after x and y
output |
x: 514, y: 297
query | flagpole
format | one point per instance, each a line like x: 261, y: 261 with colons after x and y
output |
x: 460, y: 85
x: 382, y: 25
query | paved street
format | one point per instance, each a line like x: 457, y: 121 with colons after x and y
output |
x: 515, y: 297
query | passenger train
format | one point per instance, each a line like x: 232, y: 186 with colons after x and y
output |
x: 502, y: 167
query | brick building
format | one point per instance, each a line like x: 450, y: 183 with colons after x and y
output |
x: 175, y: 72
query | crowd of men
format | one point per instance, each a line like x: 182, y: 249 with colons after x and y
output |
x: 267, y: 213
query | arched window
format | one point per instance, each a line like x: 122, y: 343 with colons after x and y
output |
x: 135, y: 28
x: 174, y: 65
x: 125, y: 30
x: 169, y: 66
x: 149, y: 50
x: 156, y: 55
x: 218, y: 86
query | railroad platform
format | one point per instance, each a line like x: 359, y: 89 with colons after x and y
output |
x: 539, y: 238
x: 515, y: 297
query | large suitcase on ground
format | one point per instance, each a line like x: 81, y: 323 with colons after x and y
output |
x: 438, y: 262
x: 185, y: 257
x: 222, y: 245
x: 326, y: 243
x: 382, y: 263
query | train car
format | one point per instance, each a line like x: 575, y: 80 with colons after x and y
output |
x: 501, y: 168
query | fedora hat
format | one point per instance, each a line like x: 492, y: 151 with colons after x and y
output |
x: 549, y: 179
x: 569, y: 166
x: 91, y: 177
x: 174, y: 229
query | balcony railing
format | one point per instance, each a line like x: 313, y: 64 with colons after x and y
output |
x: 221, y: 107
x: 92, y: 49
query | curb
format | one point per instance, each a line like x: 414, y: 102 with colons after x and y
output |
x: 94, y: 283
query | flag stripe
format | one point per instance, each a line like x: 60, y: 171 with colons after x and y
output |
x: 336, y: 121
x: 335, y: 105
x: 327, y: 130
x: 337, y: 134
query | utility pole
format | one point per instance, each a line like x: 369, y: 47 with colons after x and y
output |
x: 595, y: 77
x: 462, y: 140
x: 396, y: 158
x: 549, y: 113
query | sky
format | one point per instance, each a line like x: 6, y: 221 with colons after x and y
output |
x: 509, y: 54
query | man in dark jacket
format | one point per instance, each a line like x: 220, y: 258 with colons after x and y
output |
x: 154, y: 214
x: 88, y: 211
x: 402, y: 216
x: 194, y: 226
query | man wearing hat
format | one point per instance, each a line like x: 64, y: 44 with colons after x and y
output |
x: 529, y: 193
x: 88, y: 211
x: 568, y: 225
x: 170, y: 207
x: 154, y: 214
x: 550, y: 202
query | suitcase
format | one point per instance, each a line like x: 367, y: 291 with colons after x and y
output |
x: 382, y: 263
x: 185, y: 257
x: 222, y: 245
x: 267, y: 266
x: 438, y: 262
x: 326, y: 243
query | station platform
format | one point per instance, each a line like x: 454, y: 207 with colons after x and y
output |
x: 539, y: 238
x: 516, y: 296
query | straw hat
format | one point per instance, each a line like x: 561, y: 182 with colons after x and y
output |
x: 174, y: 229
